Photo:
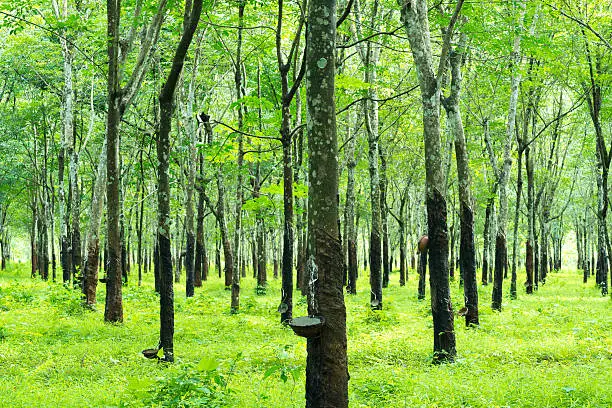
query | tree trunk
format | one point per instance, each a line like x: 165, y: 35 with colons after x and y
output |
x: 486, y: 241
x: 384, y: 216
x: 259, y: 265
x: 349, y: 208
x: 166, y: 100
x: 529, y: 261
x: 504, y: 173
x: 415, y: 19
x: 140, y: 217
x: 235, y: 301
x: 113, y: 311
x: 75, y: 233
x: 467, y: 254
x: 370, y: 56
x: 422, y: 270
x: 191, y: 253
x: 90, y: 280
x: 544, y: 240
x: 287, y: 260
x: 519, y: 191
x: 326, y: 366
x: 200, y: 270
x: 33, y: 238
x: 66, y: 149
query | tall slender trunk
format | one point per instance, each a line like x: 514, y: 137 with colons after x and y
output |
x: 486, y: 241
x: 517, y: 209
x: 66, y: 149
x: 504, y: 172
x: 594, y: 100
x: 75, y: 233
x: 287, y: 95
x: 260, y: 267
x: 544, y: 240
x: 351, y: 233
x: 415, y: 20
x: 287, y: 256
x: 326, y: 364
x: 51, y: 220
x: 369, y: 56
x: 200, y: 270
x: 113, y: 311
x: 384, y: 216
x: 166, y: 100
x: 375, y: 250
x: 422, y: 270
x: 467, y: 254
x: 235, y: 302
x: 401, y: 220
x: 90, y: 279
x: 191, y: 253
x: 119, y: 99
x: 140, y: 217
x: 34, y: 237
x: 45, y: 211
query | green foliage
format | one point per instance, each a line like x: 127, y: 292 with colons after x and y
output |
x: 67, y: 300
x: 551, y: 349
x: 283, y: 367
x: 16, y: 294
x: 190, y: 386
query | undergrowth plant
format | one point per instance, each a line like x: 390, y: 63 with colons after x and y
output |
x: 550, y: 349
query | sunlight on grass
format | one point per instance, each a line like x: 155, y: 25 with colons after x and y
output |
x: 552, y: 349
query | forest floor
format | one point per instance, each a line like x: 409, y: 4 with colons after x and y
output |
x: 550, y: 349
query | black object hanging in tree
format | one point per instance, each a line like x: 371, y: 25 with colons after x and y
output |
x: 307, y: 326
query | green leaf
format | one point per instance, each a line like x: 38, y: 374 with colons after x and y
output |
x: 207, y: 364
x: 137, y: 384
x: 271, y: 371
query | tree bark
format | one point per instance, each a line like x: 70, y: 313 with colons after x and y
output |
x: 90, y: 280
x: 166, y: 99
x: 519, y: 193
x: 113, y: 311
x: 191, y: 254
x: 504, y: 173
x: 370, y: 56
x: 351, y: 233
x: 415, y: 20
x: 287, y: 95
x: 326, y: 366
x: 467, y: 253
x: 384, y: 216
x: 422, y: 270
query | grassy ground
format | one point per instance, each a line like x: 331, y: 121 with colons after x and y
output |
x: 552, y: 349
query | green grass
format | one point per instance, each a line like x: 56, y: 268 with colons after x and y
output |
x: 551, y: 349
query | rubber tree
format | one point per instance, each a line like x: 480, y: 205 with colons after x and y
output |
x: 326, y: 364
x: 192, y: 257
x: 467, y: 253
x: 238, y: 72
x: 120, y: 98
x: 604, y: 156
x: 166, y: 110
x: 286, y: 136
x: 414, y: 14
x: 370, y: 55
x: 67, y: 113
x: 503, y: 174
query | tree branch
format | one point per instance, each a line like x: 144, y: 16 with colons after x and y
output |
x: 447, y: 39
